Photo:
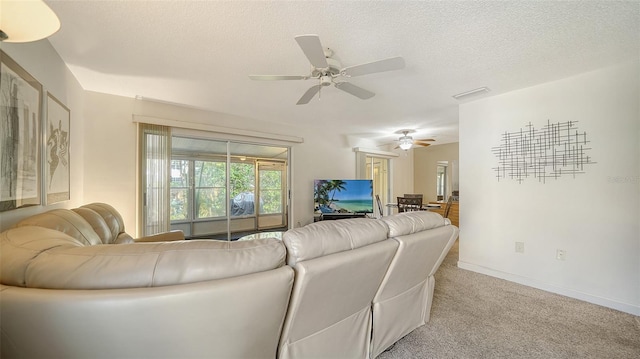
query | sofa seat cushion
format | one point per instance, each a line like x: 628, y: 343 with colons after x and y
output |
x: 328, y: 237
x: 38, y: 257
x: 411, y: 222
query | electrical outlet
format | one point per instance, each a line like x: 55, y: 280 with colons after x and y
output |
x: 560, y: 254
x: 519, y: 247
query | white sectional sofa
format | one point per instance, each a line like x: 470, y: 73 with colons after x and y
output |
x: 75, y: 285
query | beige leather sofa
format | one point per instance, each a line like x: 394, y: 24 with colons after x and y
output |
x: 361, y: 284
x: 66, y: 294
x: 339, y: 266
x: 403, y: 301
x: 75, y: 285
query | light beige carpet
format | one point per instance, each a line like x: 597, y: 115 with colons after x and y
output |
x: 478, y: 316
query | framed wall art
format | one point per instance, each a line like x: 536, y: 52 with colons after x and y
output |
x: 20, y: 111
x: 57, y: 152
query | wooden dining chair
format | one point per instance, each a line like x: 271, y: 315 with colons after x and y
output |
x: 447, y: 208
x: 413, y: 195
x: 407, y: 204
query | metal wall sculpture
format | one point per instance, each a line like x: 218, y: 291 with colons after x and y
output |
x: 555, y: 150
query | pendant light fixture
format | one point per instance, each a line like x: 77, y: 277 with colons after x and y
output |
x: 26, y: 20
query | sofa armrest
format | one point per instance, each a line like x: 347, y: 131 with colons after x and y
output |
x: 162, y: 237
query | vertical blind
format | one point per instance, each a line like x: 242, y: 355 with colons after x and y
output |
x: 155, y: 167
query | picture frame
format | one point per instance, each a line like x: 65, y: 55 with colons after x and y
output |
x: 20, y: 136
x: 57, y: 156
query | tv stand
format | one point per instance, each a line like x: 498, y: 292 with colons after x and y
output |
x: 334, y: 216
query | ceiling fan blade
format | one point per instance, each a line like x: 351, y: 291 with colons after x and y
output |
x: 394, y: 63
x: 421, y: 144
x: 426, y: 139
x: 276, y: 77
x: 354, y: 90
x: 312, y: 48
x: 312, y: 91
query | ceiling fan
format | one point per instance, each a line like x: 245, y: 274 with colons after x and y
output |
x: 406, y: 142
x: 328, y: 71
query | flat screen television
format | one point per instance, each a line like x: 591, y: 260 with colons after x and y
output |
x: 343, y: 196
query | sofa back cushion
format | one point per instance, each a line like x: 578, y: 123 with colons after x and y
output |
x: 65, y: 221
x: 412, y: 222
x: 98, y: 224
x: 111, y: 228
x: 37, y: 257
x: 328, y: 237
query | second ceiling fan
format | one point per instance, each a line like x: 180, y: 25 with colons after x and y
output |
x: 406, y: 142
x: 328, y: 71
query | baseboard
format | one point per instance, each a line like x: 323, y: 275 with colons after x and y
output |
x: 605, y: 302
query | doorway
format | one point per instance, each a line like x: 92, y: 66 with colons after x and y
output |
x: 376, y: 168
x: 441, y: 180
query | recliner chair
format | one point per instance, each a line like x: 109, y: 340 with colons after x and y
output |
x: 403, y: 302
x: 339, y: 266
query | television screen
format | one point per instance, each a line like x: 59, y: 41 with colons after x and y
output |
x: 343, y: 196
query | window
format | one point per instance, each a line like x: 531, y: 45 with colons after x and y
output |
x: 243, y: 180
x: 210, y: 189
x: 441, y: 180
x: 271, y: 191
x: 179, y: 194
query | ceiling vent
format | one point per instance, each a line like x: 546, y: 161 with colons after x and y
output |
x: 470, y: 93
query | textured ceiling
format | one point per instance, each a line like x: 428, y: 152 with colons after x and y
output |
x: 200, y: 53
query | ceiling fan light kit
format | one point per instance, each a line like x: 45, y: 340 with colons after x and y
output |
x: 406, y: 142
x: 328, y: 71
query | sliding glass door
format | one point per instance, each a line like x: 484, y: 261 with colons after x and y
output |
x: 223, y: 189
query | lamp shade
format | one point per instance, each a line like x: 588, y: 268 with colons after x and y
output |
x: 26, y: 20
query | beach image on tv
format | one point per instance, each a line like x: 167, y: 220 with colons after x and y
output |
x: 343, y: 196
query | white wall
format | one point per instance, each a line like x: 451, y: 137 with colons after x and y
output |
x: 593, y: 217
x: 110, y: 154
x: 43, y: 63
x: 402, y: 174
